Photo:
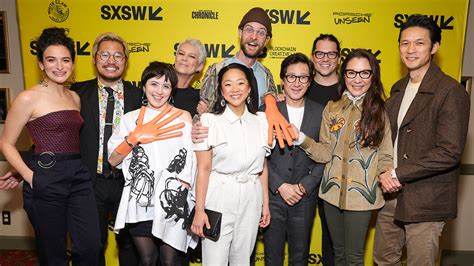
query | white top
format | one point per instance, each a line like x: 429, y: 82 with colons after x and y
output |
x: 295, y: 115
x: 410, y: 93
x: 152, y: 189
x: 239, y: 144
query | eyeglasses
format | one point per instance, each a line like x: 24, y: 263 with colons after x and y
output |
x: 293, y: 78
x: 249, y: 30
x: 352, y: 74
x: 330, y: 55
x: 104, y: 56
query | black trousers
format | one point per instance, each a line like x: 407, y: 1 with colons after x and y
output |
x: 293, y: 223
x: 62, y: 201
x: 326, y: 245
x: 108, y: 193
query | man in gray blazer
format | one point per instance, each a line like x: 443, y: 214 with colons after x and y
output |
x: 429, y: 117
x: 293, y: 176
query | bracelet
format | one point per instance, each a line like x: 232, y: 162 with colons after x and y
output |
x: 128, y: 142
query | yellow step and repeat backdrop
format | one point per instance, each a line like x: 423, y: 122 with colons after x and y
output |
x: 154, y: 28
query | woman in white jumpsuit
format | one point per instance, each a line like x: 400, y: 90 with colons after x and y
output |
x: 232, y: 171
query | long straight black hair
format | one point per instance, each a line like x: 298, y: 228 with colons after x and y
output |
x: 372, y: 122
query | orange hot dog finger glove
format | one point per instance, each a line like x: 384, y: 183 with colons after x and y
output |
x: 277, y: 122
x: 151, y: 131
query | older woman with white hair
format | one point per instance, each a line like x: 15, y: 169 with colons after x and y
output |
x: 189, y: 61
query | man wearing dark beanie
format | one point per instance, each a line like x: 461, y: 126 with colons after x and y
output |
x: 255, y: 31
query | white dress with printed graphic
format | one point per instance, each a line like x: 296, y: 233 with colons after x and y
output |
x: 152, y: 189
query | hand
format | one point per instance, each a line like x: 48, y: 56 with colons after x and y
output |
x: 29, y: 179
x: 185, y: 184
x: 290, y: 193
x: 265, y: 219
x: 200, y: 220
x: 201, y: 107
x: 291, y: 127
x: 281, y: 97
x: 10, y: 180
x: 296, y: 132
x: 277, y: 122
x: 199, y: 133
x: 151, y: 131
x: 388, y: 183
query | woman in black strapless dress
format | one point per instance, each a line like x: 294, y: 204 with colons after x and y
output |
x: 58, y: 195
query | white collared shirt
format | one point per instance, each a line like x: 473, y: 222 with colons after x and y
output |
x: 239, y: 144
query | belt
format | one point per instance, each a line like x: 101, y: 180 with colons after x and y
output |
x: 118, y: 174
x: 48, y: 159
x: 240, y: 177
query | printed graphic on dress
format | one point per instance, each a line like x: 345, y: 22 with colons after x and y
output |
x: 173, y: 199
x: 142, y: 182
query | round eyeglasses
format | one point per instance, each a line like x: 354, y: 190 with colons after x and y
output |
x: 104, y: 56
x: 249, y: 30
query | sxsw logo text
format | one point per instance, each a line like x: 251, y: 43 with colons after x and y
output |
x: 81, y: 48
x: 284, y: 16
x: 346, y: 51
x: 110, y: 12
x: 351, y: 17
x: 216, y: 50
x: 443, y: 22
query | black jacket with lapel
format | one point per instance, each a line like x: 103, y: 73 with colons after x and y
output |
x: 88, y: 92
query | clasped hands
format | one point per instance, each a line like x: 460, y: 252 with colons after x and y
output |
x: 151, y: 131
x: 290, y: 193
x: 389, y: 183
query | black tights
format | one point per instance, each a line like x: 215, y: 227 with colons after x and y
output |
x: 148, y: 250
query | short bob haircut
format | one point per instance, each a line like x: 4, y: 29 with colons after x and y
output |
x: 253, y: 105
x: 198, y: 45
x: 158, y: 70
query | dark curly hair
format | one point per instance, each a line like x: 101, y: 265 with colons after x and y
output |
x: 54, y: 36
x: 372, y: 122
x: 253, y: 105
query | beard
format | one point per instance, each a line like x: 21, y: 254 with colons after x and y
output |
x: 247, y: 53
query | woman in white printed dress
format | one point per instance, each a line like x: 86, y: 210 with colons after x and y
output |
x: 159, y: 171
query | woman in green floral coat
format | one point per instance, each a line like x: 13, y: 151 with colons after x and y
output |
x: 356, y: 144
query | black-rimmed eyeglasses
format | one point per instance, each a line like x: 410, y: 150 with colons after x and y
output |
x: 293, y: 78
x: 330, y: 55
x: 352, y: 74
